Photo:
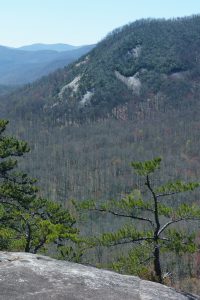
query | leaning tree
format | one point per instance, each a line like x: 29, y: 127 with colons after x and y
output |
x: 152, y: 220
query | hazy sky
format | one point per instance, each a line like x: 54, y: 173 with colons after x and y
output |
x: 79, y: 22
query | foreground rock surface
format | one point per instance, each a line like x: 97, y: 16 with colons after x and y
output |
x: 28, y: 276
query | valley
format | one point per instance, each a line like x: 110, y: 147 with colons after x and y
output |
x: 132, y: 97
x: 92, y: 123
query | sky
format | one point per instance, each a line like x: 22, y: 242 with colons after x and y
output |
x: 79, y: 22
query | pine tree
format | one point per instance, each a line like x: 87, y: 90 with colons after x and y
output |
x: 157, y: 216
x: 27, y: 222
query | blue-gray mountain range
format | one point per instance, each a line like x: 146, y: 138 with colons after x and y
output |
x: 28, y: 63
x: 56, y: 47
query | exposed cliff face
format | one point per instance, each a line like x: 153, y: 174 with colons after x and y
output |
x: 29, y: 276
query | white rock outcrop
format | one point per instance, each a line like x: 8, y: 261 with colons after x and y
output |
x: 86, y: 99
x: 83, y: 62
x: 73, y: 86
x: 25, y: 276
x: 133, y: 82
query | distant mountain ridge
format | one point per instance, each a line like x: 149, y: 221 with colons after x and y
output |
x: 59, y: 47
x: 19, y: 67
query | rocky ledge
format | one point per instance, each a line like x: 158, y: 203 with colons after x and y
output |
x: 28, y: 276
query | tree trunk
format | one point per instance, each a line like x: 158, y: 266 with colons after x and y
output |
x: 28, y: 238
x: 156, y: 253
x: 157, y: 266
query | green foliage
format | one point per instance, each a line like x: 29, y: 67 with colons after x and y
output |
x: 26, y: 222
x: 40, y: 224
x: 137, y: 262
x: 87, y: 204
x: 6, y: 238
x: 188, y: 211
x: 147, y: 167
x: 180, y: 241
x: 178, y: 186
x: 127, y: 234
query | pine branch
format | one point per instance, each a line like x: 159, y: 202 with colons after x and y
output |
x: 132, y: 241
x: 168, y: 194
x: 176, y: 221
x: 123, y: 215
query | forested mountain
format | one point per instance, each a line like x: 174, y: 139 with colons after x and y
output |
x: 134, y: 96
x: 21, y: 66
